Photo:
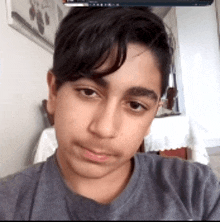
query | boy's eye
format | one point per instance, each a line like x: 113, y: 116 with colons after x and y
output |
x: 137, y: 106
x: 87, y: 92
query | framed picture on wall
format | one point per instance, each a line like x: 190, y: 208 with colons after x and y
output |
x: 38, y: 20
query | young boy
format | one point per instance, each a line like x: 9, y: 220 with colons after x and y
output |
x: 110, y: 69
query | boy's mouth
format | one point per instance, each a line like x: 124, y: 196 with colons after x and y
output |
x: 96, y: 156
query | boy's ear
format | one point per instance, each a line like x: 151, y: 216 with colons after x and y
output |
x: 51, y: 82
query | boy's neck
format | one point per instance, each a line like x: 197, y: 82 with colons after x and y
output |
x: 103, y: 190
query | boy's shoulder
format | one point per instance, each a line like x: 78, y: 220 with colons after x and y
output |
x: 156, y: 159
x: 30, y: 173
x: 173, y: 166
x: 17, y: 190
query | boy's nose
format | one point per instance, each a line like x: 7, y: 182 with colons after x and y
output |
x: 106, y: 123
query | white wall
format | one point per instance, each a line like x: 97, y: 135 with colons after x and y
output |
x: 23, y: 68
x: 199, y: 67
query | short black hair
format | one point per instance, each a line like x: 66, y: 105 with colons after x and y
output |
x: 87, y: 35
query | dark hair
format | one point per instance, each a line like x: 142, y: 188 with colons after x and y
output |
x: 87, y: 35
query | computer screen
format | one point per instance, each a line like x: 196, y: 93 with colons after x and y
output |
x: 115, y: 3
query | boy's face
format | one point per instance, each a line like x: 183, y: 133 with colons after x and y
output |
x: 101, y: 124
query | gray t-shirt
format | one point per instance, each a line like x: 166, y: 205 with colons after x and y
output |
x: 159, y: 189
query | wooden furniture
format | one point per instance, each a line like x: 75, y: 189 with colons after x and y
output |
x: 177, y: 136
x: 181, y: 153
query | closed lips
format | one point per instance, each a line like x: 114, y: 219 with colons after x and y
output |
x: 97, y: 153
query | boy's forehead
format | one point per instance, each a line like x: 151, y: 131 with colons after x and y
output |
x: 135, y: 77
x: 136, y: 50
x: 133, y: 50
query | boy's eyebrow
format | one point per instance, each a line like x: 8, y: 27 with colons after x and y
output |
x: 137, y: 91
x: 101, y: 82
x: 142, y: 91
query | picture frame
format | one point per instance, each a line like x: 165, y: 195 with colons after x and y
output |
x: 217, y: 5
x: 38, y: 20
